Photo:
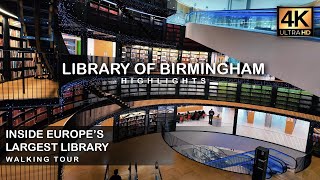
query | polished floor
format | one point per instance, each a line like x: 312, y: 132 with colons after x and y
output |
x: 179, y: 168
x: 30, y: 88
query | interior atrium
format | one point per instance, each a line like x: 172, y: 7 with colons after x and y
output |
x: 156, y: 126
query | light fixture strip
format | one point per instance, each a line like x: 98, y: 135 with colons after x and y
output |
x: 7, y: 13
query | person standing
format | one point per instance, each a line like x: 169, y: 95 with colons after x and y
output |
x: 115, y: 175
x: 211, y: 113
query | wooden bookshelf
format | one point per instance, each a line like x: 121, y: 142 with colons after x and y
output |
x: 16, y: 55
x: 1, y: 49
x: 163, y: 55
x: 129, y: 89
x: 133, y: 119
x: 136, y: 54
x: 194, y: 57
x: 132, y: 123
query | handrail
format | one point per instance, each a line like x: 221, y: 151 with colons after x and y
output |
x: 284, y: 167
x: 218, y: 19
x: 169, y: 138
x: 129, y: 169
x: 273, y: 158
x: 241, y: 83
x: 136, y: 171
x: 285, y: 155
x: 106, y: 174
x: 157, y: 169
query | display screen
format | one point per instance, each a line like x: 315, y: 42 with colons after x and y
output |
x: 205, y: 118
x: 289, y: 132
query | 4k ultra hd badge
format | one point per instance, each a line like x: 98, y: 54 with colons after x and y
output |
x: 295, y: 21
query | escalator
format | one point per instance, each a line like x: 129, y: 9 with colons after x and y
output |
x: 250, y: 36
x: 243, y: 163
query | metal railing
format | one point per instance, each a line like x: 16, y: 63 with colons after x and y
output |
x: 24, y: 76
x: 240, y: 163
x: 259, y: 20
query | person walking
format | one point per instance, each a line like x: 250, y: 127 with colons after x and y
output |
x: 211, y: 113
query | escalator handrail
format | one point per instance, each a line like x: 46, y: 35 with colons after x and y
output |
x: 277, y: 160
x: 282, y: 163
x: 285, y: 155
x: 270, y: 172
x: 280, y: 159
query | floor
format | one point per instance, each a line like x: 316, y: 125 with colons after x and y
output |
x: 179, y: 168
x: 34, y: 89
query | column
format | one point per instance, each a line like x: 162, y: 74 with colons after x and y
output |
x: 310, y: 138
x: 290, y: 123
x: 268, y: 120
x: 235, y: 121
x: 250, y: 117
x: 206, y: 89
x: 118, y: 52
x: 50, y: 115
x: 248, y: 4
x: 6, y: 47
x: 84, y: 45
x: 274, y: 92
x: 238, y: 93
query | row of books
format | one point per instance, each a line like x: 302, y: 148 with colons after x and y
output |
x: 14, y: 33
x: 14, y: 43
x: 14, y: 23
x: 162, y: 55
x: 18, y: 64
x: 17, y: 54
x: 18, y: 74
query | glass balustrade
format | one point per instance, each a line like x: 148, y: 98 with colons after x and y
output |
x: 262, y: 20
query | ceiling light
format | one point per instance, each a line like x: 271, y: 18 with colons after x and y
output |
x: 7, y: 13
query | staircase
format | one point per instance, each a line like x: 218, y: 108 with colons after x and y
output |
x: 37, y: 20
x: 111, y: 97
